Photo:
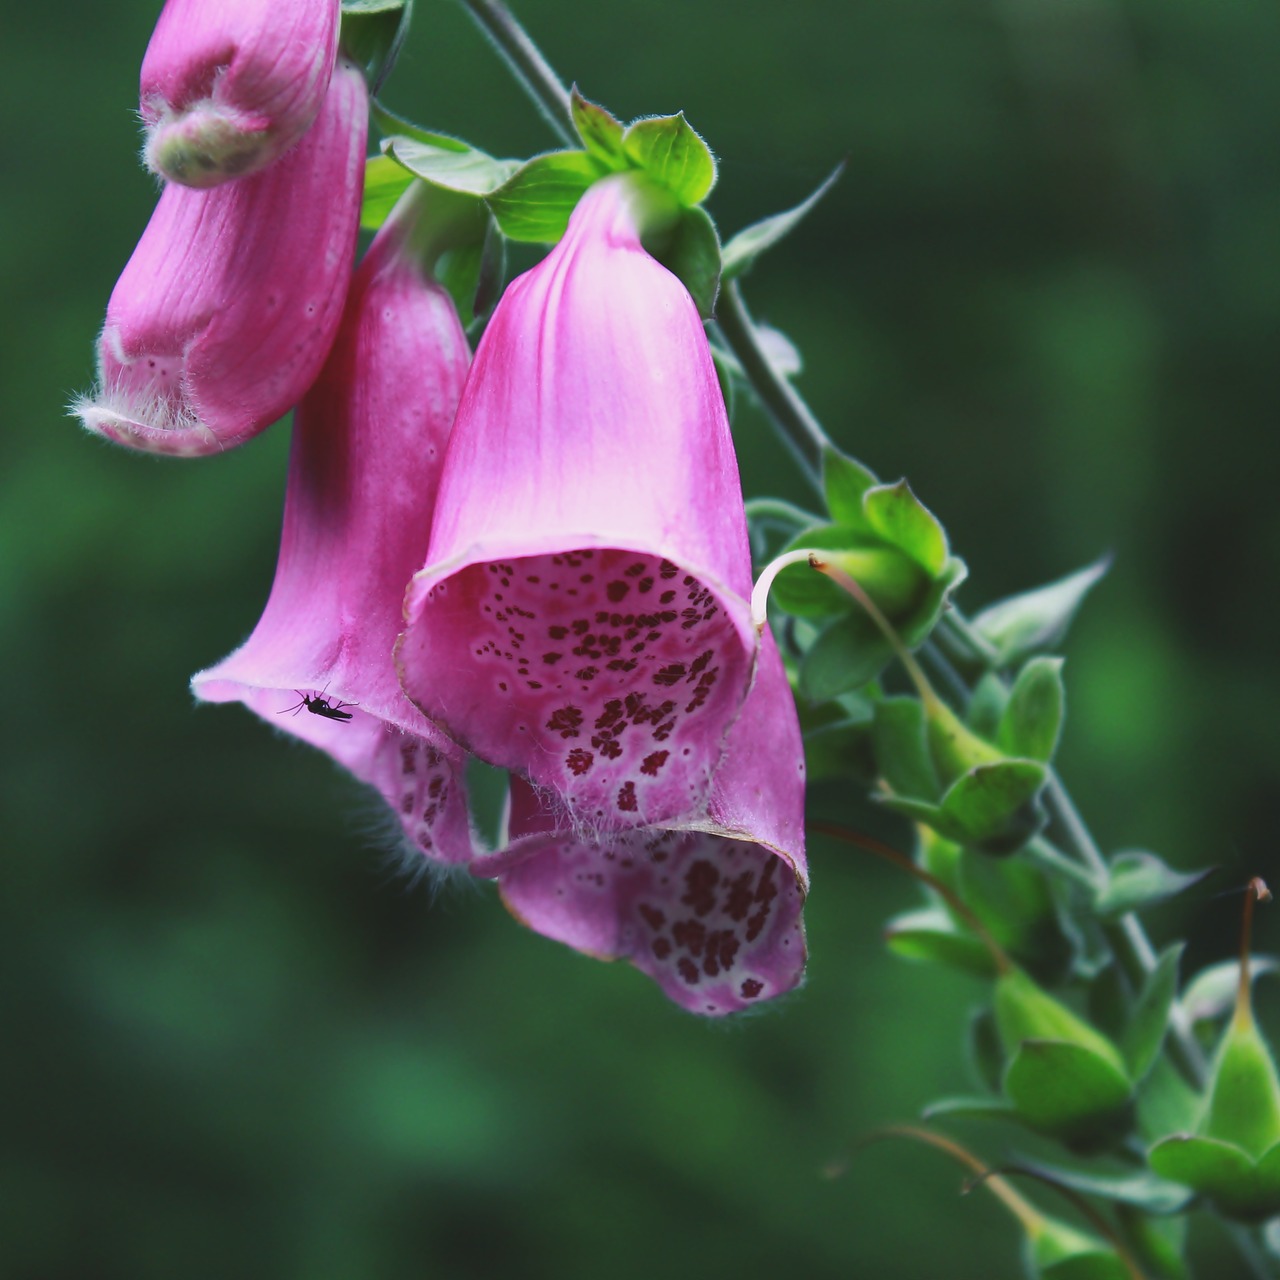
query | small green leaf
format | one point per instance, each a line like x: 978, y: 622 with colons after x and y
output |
x: 391, y: 124
x: 1032, y: 721
x: 902, y: 751
x: 1150, y: 1018
x: 929, y: 934
x: 1136, y: 880
x: 601, y: 134
x: 1037, y: 620
x: 992, y: 804
x: 385, y: 182
x: 1166, y: 1102
x: 1012, y: 898
x: 986, y: 706
x: 903, y: 521
x: 671, y: 153
x: 689, y: 248
x: 1142, y: 1190
x: 1067, y: 1091
x: 837, y: 745
x: 468, y: 171
x: 1092, y: 1264
x: 844, y: 481
x: 749, y: 243
x: 1212, y: 992
x: 1025, y: 1011
x: 985, y: 1054
x: 969, y: 1108
x: 846, y: 655
x: 535, y: 203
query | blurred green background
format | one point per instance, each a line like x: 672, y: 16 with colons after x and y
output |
x: 1047, y: 290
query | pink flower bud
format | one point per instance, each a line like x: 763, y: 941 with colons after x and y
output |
x: 710, y: 911
x: 367, y: 450
x: 583, y: 617
x: 228, y: 86
x: 226, y: 311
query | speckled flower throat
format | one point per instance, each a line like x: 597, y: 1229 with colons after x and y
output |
x: 608, y: 675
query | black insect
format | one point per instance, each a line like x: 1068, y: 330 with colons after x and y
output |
x: 319, y: 705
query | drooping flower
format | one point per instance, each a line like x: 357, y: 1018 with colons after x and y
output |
x: 225, y: 313
x: 368, y: 445
x: 583, y: 617
x: 711, y: 911
x: 228, y: 86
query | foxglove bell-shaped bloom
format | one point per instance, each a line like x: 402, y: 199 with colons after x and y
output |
x: 368, y: 446
x: 583, y: 617
x: 712, y: 911
x: 225, y: 313
x: 228, y: 86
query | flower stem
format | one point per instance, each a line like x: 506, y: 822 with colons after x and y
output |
x: 799, y: 430
x: 532, y: 71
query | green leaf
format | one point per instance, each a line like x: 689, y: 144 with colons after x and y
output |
x: 1212, y: 992
x: 930, y: 935
x: 903, y: 521
x: 1025, y: 1011
x: 986, y: 706
x: 690, y: 249
x: 372, y: 35
x: 749, y: 243
x: 846, y: 655
x: 989, y: 805
x: 1092, y: 1264
x: 1136, y: 880
x: 534, y: 204
x: 393, y: 125
x: 384, y: 183
x: 671, y: 153
x: 1143, y: 1190
x: 1166, y: 1102
x: 1013, y: 899
x: 985, y: 1054
x: 840, y: 748
x: 465, y: 170
x: 902, y: 751
x: 601, y: 134
x: 1159, y: 1244
x: 1032, y: 720
x: 844, y: 481
x: 803, y: 591
x: 1037, y: 620
x: 1067, y: 1091
x: 969, y: 1108
x: 1150, y: 1018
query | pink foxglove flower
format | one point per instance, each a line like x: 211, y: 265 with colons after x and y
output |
x: 712, y: 911
x: 228, y: 86
x: 368, y: 445
x: 228, y: 307
x: 583, y: 617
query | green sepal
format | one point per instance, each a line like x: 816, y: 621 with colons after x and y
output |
x: 1136, y: 880
x: 1013, y: 899
x: 446, y: 162
x: 1069, y: 1092
x: 534, y: 204
x: 966, y: 1107
x: 1098, y: 1262
x: 601, y: 134
x: 673, y: 155
x: 1158, y: 1243
x: 1032, y: 719
x: 372, y: 34
x: 385, y: 182
x: 1241, y: 1188
x: 844, y: 482
x: 848, y: 653
x: 472, y: 274
x: 902, y: 750
x: 886, y: 574
x: 689, y: 247
x: 1149, y: 1019
x: 1036, y: 620
x: 749, y: 243
x: 929, y: 934
x: 1244, y: 1097
x: 1025, y: 1011
x: 894, y: 513
x: 914, y: 629
x: 1167, y: 1103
